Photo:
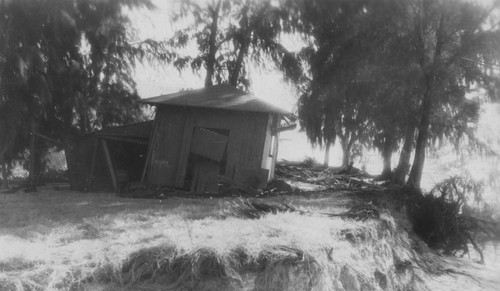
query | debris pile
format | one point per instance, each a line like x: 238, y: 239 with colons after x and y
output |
x: 342, y: 178
x: 289, y: 178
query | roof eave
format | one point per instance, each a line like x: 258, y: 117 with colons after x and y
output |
x: 279, y: 111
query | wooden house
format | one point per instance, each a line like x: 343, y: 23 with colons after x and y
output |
x: 99, y: 158
x: 205, y: 138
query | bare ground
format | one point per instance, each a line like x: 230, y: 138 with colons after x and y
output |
x: 53, y: 238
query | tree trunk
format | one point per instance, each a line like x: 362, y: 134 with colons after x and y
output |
x: 235, y: 75
x: 326, y: 162
x: 72, y: 164
x: 346, y: 154
x: 40, y: 164
x: 387, y: 158
x: 84, y: 116
x: 5, y: 174
x: 430, y: 71
x: 403, y: 167
x: 243, y: 49
x: 32, y: 171
x: 423, y: 132
x: 212, y: 46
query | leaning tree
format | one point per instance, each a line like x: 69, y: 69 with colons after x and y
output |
x: 453, y: 44
x: 422, y: 58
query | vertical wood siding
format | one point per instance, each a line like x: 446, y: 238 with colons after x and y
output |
x: 167, y: 144
x: 245, y: 145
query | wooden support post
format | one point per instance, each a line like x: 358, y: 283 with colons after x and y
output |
x: 146, y: 163
x: 151, y: 146
x: 124, y: 139
x: 32, y: 174
x: 110, y: 164
x: 90, y: 178
x: 184, y: 154
x: 267, y: 152
x: 284, y: 128
x: 49, y: 139
x: 275, y: 156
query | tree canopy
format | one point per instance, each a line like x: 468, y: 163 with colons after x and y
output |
x: 379, y: 72
x: 65, y: 67
x: 229, y: 36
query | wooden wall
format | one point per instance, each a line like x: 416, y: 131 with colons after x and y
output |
x: 171, y: 142
x: 91, y: 168
x: 79, y: 153
x: 271, y: 144
x: 166, y: 144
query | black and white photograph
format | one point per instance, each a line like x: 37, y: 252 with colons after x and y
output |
x: 249, y: 145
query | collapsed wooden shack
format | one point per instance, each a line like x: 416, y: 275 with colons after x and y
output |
x: 203, y: 139
x: 104, y: 157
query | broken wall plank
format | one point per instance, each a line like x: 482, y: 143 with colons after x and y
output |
x: 205, y: 177
x: 266, y: 153
x: 110, y: 164
x: 208, y: 144
x: 90, y: 178
x: 184, y: 153
x: 125, y: 139
x: 284, y: 128
x: 277, y: 119
x: 152, y: 141
x: 167, y: 146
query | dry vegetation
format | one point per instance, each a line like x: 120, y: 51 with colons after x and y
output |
x: 90, y: 241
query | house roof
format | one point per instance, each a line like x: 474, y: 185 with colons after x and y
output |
x: 219, y: 97
x: 136, y: 130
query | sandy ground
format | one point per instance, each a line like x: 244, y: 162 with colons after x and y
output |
x: 20, y: 212
x: 464, y: 274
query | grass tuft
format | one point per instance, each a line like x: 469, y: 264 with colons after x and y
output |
x: 146, y: 264
x: 175, y: 270
x: 283, y: 267
x: 253, y: 209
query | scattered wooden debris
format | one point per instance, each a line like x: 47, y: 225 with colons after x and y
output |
x: 278, y: 185
x: 288, y: 179
x: 245, y: 208
x: 331, y: 178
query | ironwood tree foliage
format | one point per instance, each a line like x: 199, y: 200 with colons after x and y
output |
x: 65, y: 67
x: 453, y: 215
x: 453, y: 45
x: 346, y: 73
x: 229, y: 35
x: 413, y: 63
